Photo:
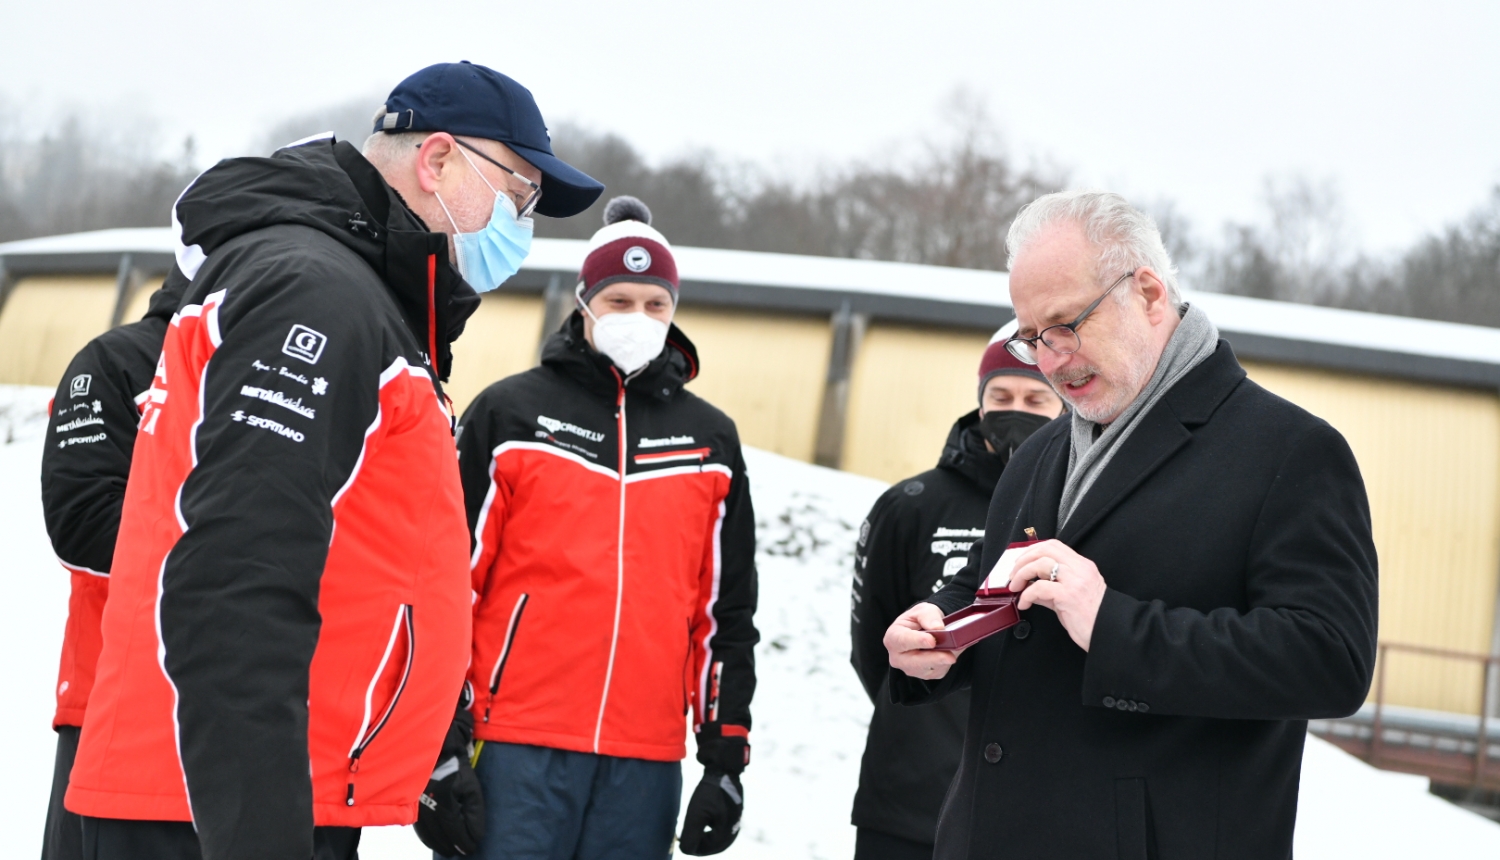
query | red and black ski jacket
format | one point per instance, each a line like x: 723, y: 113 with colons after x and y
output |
x: 288, y: 622
x: 613, y: 558
x: 84, y: 466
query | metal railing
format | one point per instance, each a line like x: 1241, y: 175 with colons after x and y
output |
x: 1447, y: 747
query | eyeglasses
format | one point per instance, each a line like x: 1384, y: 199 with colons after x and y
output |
x: 533, y: 197
x: 1063, y: 337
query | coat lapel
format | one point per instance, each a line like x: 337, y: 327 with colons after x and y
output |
x: 1046, y: 494
x: 1157, y: 438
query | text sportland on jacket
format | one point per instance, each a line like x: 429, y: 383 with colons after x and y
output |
x: 84, y: 466
x: 608, y: 599
x: 290, y: 592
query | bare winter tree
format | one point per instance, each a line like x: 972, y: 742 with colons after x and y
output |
x: 79, y: 176
x: 948, y: 203
x: 350, y: 120
x: 1302, y: 252
x: 1455, y: 275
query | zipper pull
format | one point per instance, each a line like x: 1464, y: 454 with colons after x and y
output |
x: 349, y: 796
x: 486, y: 713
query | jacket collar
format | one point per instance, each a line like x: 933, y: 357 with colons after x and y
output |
x: 434, y: 300
x: 568, y: 352
x: 1165, y: 429
x: 964, y: 454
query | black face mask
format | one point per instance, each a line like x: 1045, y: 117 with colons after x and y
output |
x: 1006, y: 429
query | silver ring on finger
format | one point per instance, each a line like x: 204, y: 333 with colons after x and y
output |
x: 1052, y: 574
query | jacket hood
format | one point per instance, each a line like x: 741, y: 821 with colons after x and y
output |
x: 568, y: 351
x: 328, y: 186
x: 168, y: 297
x: 964, y: 454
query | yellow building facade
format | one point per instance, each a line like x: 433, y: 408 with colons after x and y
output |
x: 870, y: 378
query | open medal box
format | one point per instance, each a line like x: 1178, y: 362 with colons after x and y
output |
x: 993, y: 609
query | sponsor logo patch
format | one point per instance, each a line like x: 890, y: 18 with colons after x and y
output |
x: 79, y: 422
x: 555, y: 426
x: 670, y: 440
x: 279, y: 399
x: 958, y: 533
x: 82, y: 440
x: 79, y: 387
x: 637, y: 259
x: 304, y: 343
x: 267, y: 424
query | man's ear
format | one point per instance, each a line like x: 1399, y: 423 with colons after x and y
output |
x: 435, y: 159
x: 1154, y: 293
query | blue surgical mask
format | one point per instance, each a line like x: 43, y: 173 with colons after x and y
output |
x: 490, y: 256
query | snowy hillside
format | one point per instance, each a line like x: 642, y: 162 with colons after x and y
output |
x: 810, y: 712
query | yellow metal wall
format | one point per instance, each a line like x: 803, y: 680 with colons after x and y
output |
x: 765, y: 370
x: 46, y: 320
x: 135, y: 306
x: 1430, y: 454
x: 1430, y: 457
x: 500, y: 339
x: 908, y: 387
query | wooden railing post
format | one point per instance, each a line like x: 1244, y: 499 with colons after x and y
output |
x: 1481, y: 750
x: 1381, y: 656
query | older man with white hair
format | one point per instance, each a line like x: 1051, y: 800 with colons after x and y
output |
x: 1193, y: 554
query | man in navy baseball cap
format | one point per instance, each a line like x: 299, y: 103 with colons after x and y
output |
x: 468, y: 100
x: 468, y: 151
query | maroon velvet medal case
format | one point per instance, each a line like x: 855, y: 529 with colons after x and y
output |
x: 993, y: 609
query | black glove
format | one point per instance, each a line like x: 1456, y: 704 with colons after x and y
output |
x: 450, y: 813
x: 713, y: 814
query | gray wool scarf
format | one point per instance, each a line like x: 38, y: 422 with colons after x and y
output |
x: 1194, y: 341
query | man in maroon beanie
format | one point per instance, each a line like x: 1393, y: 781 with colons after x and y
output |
x: 614, y: 577
x: 914, y: 540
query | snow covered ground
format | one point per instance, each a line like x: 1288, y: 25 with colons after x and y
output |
x: 810, y: 712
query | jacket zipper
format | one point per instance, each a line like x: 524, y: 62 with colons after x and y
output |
x: 437, y: 372
x: 510, y: 638
x: 368, y: 732
x: 614, y: 637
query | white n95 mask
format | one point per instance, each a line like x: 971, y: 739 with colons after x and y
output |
x: 630, y: 340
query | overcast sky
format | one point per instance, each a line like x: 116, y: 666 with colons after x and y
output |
x: 1398, y: 103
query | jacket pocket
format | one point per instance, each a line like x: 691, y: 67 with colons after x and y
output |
x: 1133, y: 832
x: 391, y: 675
x: 511, y: 629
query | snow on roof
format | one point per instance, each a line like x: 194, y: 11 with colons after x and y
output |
x: 1233, y: 314
x: 157, y: 240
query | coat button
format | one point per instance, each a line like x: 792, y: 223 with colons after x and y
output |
x: 1022, y: 630
x: 1133, y: 706
x: 1122, y: 705
x: 1109, y: 701
x: 992, y: 753
x: 1143, y: 707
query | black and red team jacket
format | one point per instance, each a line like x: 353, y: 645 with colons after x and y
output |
x: 613, y: 557
x: 288, y: 622
x: 85, y: 462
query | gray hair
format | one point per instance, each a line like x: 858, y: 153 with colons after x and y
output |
x: 392, y: 147
x: 1126, y: 237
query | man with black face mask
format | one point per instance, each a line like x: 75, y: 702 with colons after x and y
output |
x: 914, y: 540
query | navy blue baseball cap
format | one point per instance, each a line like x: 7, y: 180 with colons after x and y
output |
x: 471, y: 100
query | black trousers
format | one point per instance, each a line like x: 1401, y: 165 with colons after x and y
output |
x: 118, y: 839
x: 63, y: 839
x: 874, y: 845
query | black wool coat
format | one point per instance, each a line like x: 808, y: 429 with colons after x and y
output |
x: 1233, y: 532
